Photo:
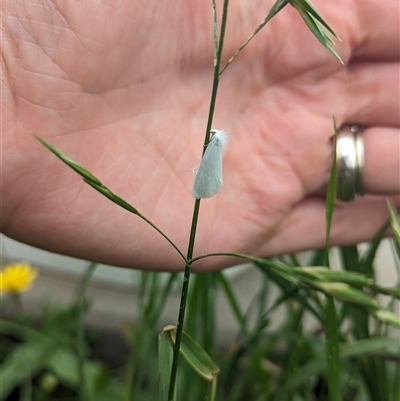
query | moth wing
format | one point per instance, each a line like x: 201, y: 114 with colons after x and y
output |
x: 208, y: 180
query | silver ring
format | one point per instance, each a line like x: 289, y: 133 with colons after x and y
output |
x: 350, y: 163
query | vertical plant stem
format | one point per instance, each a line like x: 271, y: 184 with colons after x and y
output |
x: 233, y: 303
x: 186, y: 277
x: 208, y: 317
x: 331, y: 328
x: 368, y: 366
x: 332, y: 351
x: 217, y: 64
x: 84, y: 393
x: 182, y: 306
x: 133, y: 340
x: 213, y: 390
x: 262, y: 301
x: 396, y: 383
x: 17, y: 307
x: 156, y: 313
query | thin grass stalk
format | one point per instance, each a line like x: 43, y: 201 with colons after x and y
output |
x: 133, y: 357
x: 84, y: 393
x: 133, y: 354
x: 295, y: 261
x: 317, y: 258
x: 369, y: 256
x: 332, y: 335
x: 191, y: 326
x: 213, y: 390
x: 137, y: 337
x: 332, y: 351
x: 396, y: 383
x: 360, y: 327
x: 373, y: 370
x: 155, y: 317
x: 141, y: 293
x: 262, y: 302
x: 200, y: 323
x: 292, y: 357
x: 208, y: 317
x: 152, y: 300
x: 274, y: 10
x: 262, y: 265
x: 396, y: 247
x: 150, y: 223
x: 153, y: 311
x: 186, y: 278
x: 181, y: 318
x: 233, y: 302
x: 382, y: 379
x: 194, y: 307
x: 144, y: 339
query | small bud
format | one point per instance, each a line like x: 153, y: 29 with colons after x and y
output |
x: 346, y: 293
x: 387, y: 316
x: 325, y: 274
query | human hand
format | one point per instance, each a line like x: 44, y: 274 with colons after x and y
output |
x: 124, y: 89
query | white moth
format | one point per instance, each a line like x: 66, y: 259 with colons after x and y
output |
x: 208, y: 180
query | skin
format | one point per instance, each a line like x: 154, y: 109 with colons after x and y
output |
x: 124, y: 89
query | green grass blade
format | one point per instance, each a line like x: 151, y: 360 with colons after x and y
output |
x: 387, y: 316
x: 154, y: 318
x: 331, y: 329
x: 208, y: 316
x: 84, y: 390
x: 394, y: 220
x: 165, y: 356
x: 290, y: 291
x: 309, y: 8
x: 278, y: 6
x: 314, y: 22
x: 346, y: 293
x: 350, y: 258
x: 233, y: 302
x: 322, y: 273
x: 331, y: 195
x: 317, y: 257
x: 382, y: 347
x: 94, y: 182
x: 113, y: 197
x: 332, y: 351
x: 367, y: 259
x: 197, y: 358
x: 69, y: 162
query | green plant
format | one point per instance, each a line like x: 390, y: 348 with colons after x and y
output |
x: 308, y: 289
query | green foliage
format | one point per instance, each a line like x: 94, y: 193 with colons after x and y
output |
x: 44, y: 354
x: 394, y: 220
x: 317, y: 25
x: 265, y: 362
x: 347, y: 355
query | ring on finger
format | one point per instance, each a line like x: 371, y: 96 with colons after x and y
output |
x: 350, y: 157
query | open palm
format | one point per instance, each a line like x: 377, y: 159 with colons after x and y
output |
x: 124, y: 88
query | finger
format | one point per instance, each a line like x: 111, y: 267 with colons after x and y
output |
x: 352, y: 223
x: 377, y: 31
x: 381, y: 172
x: 370, y: 27
x: 372, y: 94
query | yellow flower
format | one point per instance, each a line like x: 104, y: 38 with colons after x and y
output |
x: 17, y: 277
